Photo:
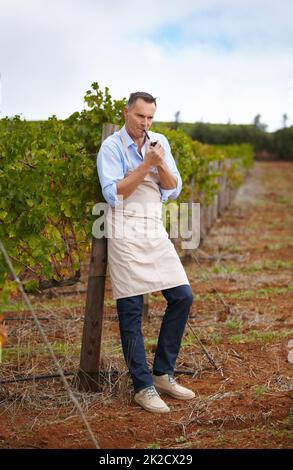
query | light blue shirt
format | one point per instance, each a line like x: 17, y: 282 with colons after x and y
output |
x: 113, y: 165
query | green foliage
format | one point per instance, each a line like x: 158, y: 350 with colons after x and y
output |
x: 283, y: 143
x: 233, y: 324
x: 49, y: 185
x: 201, y: 165
x: 260, y: 390
x: 260, y: 337
x: 223, y: 134
x: 86, y: 126
x: 183, y: 153
x: 31, y: 286
x: 278, y: 143
x: 60, y: 348
x: 153, y: 445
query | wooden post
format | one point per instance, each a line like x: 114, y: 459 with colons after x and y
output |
x: 227, y: 189
x: 209, y: 220
x: 222, y: 194
x: 188, y: 252
x: 89, y: 369
x: 146, y: 307
x: 203, y: 228
x: 232, y: 190
x: 208, y: 216
x: 215, y: 200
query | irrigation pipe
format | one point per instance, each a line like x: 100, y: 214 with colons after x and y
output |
x: 27, y: 378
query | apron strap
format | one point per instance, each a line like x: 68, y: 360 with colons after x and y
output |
x: 126, y: 151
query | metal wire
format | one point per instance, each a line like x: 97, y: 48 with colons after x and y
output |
x: 49, y: 347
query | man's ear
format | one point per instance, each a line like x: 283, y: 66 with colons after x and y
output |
x: 125, y: 112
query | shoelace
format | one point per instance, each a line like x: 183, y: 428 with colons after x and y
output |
x: 152, y: 392
x: 172, y: 380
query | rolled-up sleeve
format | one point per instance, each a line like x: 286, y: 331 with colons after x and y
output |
x: 174, y: 192
x: 110, y: 171
x: 171, y: 193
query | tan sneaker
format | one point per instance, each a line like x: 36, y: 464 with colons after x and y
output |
x: 150, y: 400
x: 167, y: 384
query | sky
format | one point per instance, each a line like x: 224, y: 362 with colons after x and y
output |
x: 212, y: 60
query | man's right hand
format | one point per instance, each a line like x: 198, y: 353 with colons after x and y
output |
x: 154, y: 156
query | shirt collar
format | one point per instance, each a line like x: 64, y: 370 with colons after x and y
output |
x: 128, y: 140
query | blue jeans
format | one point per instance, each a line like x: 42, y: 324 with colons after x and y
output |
x: 129, y: 310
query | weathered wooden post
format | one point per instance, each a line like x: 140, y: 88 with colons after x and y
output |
x: 145, y: 314
x: 215, y: 199
x: 222, y: 193
x: 203, y: 228
x: 89, y: 369
x: 188, y: 252
x: 209, y: 208
x: 227, y: 189
x: 233, y: 190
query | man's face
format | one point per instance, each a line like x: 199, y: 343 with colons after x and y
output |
x: 139, y: 117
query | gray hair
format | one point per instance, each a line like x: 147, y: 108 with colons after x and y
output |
x: 142, y: 95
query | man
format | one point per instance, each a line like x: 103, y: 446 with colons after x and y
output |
x: 136, y: 177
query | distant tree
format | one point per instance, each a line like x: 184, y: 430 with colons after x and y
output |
x: 177, y: 114
x: 258, y: 124
x: 256, y: 120
x: 283, y: 143
x: 176, y: 121
x: 284, y: 119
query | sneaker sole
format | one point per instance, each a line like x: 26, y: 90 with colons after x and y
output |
x: 173, y: 395
x: 153, y: 410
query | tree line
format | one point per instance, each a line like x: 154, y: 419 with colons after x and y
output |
x: 278, y: 144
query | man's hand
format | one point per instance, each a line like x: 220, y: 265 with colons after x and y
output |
x: 154, y: 156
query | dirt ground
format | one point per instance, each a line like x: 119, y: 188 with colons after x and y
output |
x: 241, y: 277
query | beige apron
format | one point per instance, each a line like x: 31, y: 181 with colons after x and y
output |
x: 141, y: 257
